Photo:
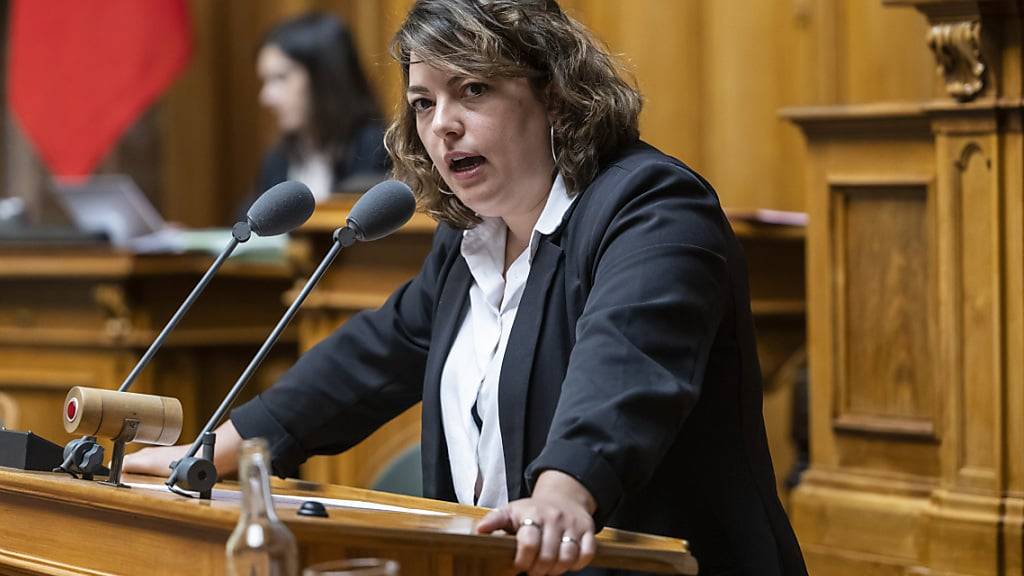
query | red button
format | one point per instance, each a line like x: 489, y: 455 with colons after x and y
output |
x: 72, y: 409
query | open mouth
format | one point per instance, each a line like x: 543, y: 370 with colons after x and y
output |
x: 465, y: 164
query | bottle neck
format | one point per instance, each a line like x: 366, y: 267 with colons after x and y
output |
x: 254, y: 477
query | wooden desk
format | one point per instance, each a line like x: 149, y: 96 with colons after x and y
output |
x: 53, y: 524
x: 84, y: 316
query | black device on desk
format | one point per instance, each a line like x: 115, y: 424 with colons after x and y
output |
x: 26, y: 451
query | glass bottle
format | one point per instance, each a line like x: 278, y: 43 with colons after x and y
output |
x: 261, y: 544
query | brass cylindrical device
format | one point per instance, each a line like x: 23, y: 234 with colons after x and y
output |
x: 100, y: 412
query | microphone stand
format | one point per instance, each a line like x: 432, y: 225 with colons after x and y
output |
x: 199, y: 474
x: 241, y: 232
x: 85, y: 455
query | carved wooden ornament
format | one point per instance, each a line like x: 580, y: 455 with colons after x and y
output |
x: 957, y: 48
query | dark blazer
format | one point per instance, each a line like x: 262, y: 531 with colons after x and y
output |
x: 631, y: 366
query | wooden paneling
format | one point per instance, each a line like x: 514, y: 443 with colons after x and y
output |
x: 191, y: 131
x: 36, y: 383
x: 9, y: 413
x: 978, y: 304
x: 746, y: 72
x: 879, y: 534
x: 669, y: 64
x: 882, y: 297
x: 876, y: 402
x: 85, y: 317
x: 931, y: 483
x: 883, y: 55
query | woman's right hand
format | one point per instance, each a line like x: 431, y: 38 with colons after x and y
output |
x: 156, y: 461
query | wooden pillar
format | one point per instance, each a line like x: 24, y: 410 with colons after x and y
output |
x: 915, y: 315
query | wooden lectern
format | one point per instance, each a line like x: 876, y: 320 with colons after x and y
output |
x: 57, y: 525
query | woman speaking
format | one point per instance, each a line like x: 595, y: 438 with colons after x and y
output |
x: 580, y: 334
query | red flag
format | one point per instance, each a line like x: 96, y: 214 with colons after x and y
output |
x: 81, y: 71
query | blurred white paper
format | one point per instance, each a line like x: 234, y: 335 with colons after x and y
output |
x: 286, y: 501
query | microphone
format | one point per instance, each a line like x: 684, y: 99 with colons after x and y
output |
x: 280, y: 209
x: 380, y: 211
x: 99, y: 412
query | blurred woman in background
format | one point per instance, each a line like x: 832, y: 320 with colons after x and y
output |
x: 331, y: 132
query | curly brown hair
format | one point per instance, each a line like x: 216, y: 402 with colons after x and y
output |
x: 594, y: 111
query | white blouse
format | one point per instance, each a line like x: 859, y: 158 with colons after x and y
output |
x: 469, y: 381
x: 315, y: 172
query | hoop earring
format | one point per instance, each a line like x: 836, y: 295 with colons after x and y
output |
x: 553, y: 155
x: 439, y: 179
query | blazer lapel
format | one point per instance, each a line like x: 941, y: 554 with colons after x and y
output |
x: 451, y: 310
x: 517, y: 366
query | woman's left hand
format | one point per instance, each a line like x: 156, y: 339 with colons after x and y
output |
x: 554, y: 528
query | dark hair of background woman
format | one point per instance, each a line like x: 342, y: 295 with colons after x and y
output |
x: 341, y: 97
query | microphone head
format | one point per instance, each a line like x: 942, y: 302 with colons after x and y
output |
x: 382, y: 210
x: 281, y: 209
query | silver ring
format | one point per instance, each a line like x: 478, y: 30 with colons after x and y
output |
x: 570, y: 540
x: 529, y: 522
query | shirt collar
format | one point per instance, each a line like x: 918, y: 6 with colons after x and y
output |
x: 488, y: 237
x: 557, y: 205
x: 554, y: 210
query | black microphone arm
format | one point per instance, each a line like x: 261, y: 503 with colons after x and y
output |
x: 241, y: 232
x: 379, y: 212
x: 280, y: 209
